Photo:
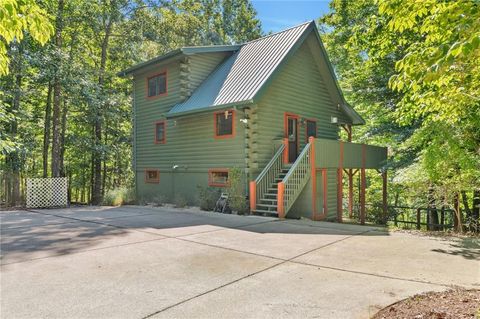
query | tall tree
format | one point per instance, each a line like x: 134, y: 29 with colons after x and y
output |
x: 57, y: 94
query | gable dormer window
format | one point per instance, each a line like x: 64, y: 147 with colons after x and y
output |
x: 157, y: 85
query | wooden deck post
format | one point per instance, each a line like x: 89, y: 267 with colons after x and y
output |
x: 384, y: 196
x: 350, y: 178
x: 340, y: 186
x: 253, y: 196
x: 350, y: 193
x: 313, y: 176
x: 363, y: 183
x: 280, y: 207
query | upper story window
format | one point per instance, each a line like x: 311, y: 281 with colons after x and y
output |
x: 311, y: 128
x: 224, y: 124
x: 160, y: 132
x: 157, y: 85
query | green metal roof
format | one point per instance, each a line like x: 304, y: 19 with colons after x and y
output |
x: 240, y: 77
x: 243, y: 77
x: 176, y: 54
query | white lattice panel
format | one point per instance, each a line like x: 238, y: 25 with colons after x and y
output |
x: 47, y: 192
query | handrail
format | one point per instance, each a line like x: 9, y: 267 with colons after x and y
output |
x: 270, y: 164
x: 295, y: 180
x: 267, y: 177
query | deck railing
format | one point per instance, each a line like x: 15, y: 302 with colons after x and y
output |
x: 267, y: 177
x: 292, y: 184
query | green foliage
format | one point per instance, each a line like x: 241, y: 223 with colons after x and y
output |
x: 139, y: 30
x: 180, y: 201
x: 18, y: 17
x: 411, y: 68
x: 207, y: 197
x: 119, y: 196
x: 236, y: 192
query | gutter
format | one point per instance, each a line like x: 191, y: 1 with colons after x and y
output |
x: 209, y: 108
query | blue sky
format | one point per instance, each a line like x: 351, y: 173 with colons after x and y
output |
x: 277, y: 15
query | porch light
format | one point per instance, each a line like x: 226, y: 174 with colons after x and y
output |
x: 334, y: 120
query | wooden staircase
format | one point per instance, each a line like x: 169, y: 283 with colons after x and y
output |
x: 278, y: 186
x: 267, y: 204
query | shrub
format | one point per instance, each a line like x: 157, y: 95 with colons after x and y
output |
x: 119, y: 196
x: 208, y: 196
x: 180, y: 201
x: 236, y: 194
x: 158, y: 200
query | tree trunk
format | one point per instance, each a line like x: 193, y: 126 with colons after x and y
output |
x: 62, y: 138
x: 13, y: 158
x: 476, y: 210
x: 97, y: 152
x: 46, y: 130
x: 457, y: 214
x: 432, y: 211
x: 468, y: 212
x: 57, y: 98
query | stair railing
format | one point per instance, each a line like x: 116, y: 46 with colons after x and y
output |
x: 267, y: 177
x: 292, y: 184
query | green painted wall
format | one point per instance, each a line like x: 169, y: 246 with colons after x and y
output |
x: 190, y: 141
x: 300, y: 88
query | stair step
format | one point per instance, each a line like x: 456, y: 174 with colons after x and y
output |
x: 271, y: 200
x: 267, y: 205
x: 262, y: 211
x: 274, y: 195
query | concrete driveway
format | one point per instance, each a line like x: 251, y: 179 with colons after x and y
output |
x: 138, y: 262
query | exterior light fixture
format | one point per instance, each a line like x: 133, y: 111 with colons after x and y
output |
x: 334, y: 120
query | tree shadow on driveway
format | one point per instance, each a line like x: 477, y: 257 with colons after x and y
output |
x: 28, y: 235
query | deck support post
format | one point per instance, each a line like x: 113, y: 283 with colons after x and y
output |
x: 384, y: 196
x: 363, y: 185
x: 253, y: 196
x: 313, y: 176
x: 350, y: 193
x: 340, y: 186
x: 280, y: 203
x: 350, y: 177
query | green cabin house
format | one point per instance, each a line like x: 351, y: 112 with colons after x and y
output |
x: 270, y: 107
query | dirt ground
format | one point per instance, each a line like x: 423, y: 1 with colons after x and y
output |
x: 451, y: 304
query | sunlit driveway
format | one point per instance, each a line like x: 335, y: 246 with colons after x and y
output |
x: 136, y: 262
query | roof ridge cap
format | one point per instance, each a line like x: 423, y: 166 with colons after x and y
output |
x: 277, y: 33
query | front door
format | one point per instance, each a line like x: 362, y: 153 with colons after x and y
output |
x: 292, y: 135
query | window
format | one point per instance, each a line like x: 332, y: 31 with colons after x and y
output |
x: 218, y: 177
x: 152, y: 176
x: 160, y: 132
x: 157, y: 85
x: 311, y: 128
x: 224, y: 124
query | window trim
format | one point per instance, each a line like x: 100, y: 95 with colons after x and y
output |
x: 216, y: 170
x: 215, y: 135
x: 306, y: 128
x: 151, y: 181
x: 164, y: 139
x: 163, y: 72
